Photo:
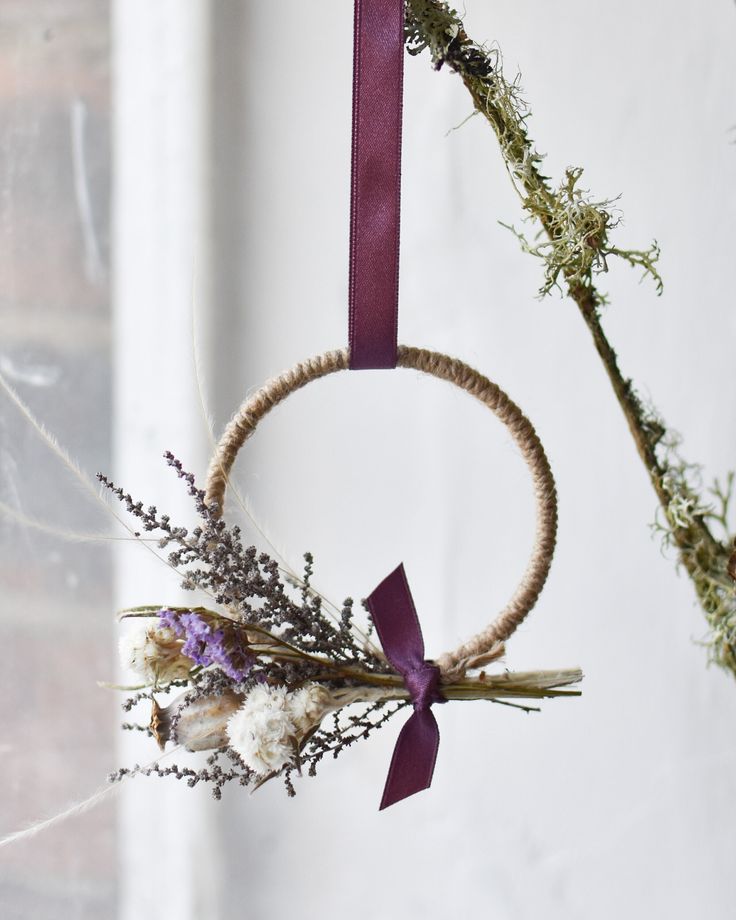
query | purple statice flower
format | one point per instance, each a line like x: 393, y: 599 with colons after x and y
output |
x: 197, y: 633
x: 170, y: 620
x: 229, y: 652
x: 206, y: 645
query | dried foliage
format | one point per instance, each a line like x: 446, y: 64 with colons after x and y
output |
x: 572, y: 239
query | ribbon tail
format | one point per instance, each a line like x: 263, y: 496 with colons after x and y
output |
x: 412, y: 764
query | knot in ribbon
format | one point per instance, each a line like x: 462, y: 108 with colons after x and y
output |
x: 423, y: 685
x: 392, y: 608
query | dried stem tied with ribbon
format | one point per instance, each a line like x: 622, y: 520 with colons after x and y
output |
x: 258, y: 674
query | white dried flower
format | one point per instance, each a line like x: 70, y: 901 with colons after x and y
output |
x: 267, y: 729
x: 154, y: 652
x: 263, y: 731
x: 309, y: 705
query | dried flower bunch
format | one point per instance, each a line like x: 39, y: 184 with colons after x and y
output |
x: 253, y: 678
x: 256, y: 678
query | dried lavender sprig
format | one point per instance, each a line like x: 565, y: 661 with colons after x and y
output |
x: 346, y: 730
x: 211, y: 557
x: 213, y: 773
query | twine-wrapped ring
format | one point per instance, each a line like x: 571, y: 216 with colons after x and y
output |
x: 488, y: 643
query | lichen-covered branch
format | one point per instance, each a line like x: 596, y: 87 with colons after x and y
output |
x: 573, y: 242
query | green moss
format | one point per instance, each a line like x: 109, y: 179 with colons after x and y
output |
x: 573, y: 240
x: 573, y: 229
x: 686, y: 523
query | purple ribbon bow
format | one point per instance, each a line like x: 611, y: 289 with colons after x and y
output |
x: 392, y: 608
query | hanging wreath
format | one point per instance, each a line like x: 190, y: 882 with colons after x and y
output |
x: 270, y: 682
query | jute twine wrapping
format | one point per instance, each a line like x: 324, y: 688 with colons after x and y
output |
x: 488, y: 643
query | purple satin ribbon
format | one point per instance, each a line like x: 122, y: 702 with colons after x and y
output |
x: 378, y: 72
x: 392, y: 608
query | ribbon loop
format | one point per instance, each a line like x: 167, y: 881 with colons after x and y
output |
x: 378, y: 68
x: 395, y: 617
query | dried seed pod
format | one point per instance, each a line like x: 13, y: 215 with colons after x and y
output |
x: 198, y: 725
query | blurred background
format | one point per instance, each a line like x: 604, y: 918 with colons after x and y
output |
x: 174, y: 184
